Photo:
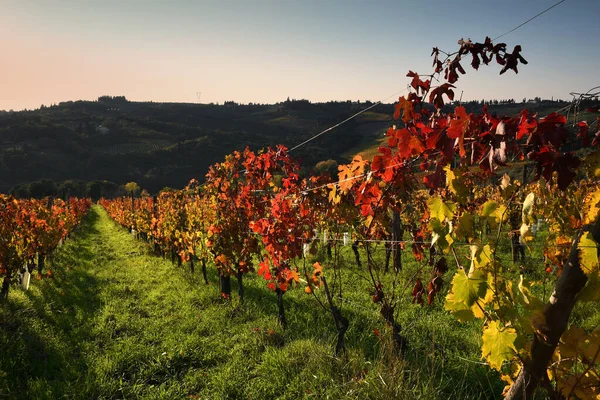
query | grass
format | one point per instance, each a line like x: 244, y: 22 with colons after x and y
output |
x: 115, y: 321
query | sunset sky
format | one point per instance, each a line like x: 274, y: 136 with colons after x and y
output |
x: 264, y: 51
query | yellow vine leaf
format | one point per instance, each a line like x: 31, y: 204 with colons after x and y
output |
x: 464, y: 293
x: 527, y: 299
x: 490, y: 291
x: 440, y: 210
x: 456, y: 185
x: 334, y: 197
x: 591, y: 208
x: 488, y: 208
x: 495, y: 213
x: 481, y: 257
x: 346, y: 172
x: 588, y: 253
x: 569, y: 342
x: 590, y: 347
x: 488, y: 298
x: 591, y: 291
x: 592, y: 162
x: 509, y: 379
x: 440, y: 234
x: 579, y: 385
x: 465, y: 228
x: 498, y: 344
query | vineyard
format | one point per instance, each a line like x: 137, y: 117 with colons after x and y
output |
x: 31, y: 230
x: 256, y: 214
x: 390, y: 278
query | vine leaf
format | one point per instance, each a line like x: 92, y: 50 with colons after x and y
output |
x: 512, y: 60
x: 264, y: 270
x: 591, y: 208
x: 334, y: 196
x: 440, y: 210
x: 592, y: 164
x: 591, y: 291
x: 466, y: 227
x: 458, y: 127
x: 417, y: 83
x: 588, y: 253
x: 494, y: 213
x: 292, y: 275
x: 464, y: 294
x: 481, y: 257
x: 435, y: 97
x: 498, y: 344
x: 407, y: 109
x: 456, y: 185
x: 417, y: 293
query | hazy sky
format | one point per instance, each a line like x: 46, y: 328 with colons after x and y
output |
x: 264, y: 51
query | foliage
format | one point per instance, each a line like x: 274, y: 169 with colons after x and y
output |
x: 435, y: 179
x: 32, y: 228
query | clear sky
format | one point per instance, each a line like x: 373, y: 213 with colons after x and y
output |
x: 266, y: 50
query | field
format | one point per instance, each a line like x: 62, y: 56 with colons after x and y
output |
x: 112, y: 320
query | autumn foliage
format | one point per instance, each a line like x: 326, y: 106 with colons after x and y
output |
x: 33, y: 228
x: 433, y: 188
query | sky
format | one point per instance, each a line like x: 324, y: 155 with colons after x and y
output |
x: 263, y: 51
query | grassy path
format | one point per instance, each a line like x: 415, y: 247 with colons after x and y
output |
x: 114, y: 321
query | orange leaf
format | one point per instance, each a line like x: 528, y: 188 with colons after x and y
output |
x: 292, y: 275
x: 407, y: 109
x: 458, y: 127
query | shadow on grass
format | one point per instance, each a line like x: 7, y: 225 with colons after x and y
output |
x: 42, y: 331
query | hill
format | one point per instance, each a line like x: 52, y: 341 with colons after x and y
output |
x: 164, y: 144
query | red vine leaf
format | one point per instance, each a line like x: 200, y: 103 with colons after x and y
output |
x: 435, y: 97
x: 417, y: 83
x: 406, y: 107
x: 512, y: 60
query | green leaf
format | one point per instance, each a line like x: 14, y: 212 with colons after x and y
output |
x: 592, y: 163
x: 588, y: 253
x: 525, y: 297
x: 498, y: 344
x: 591, y: 291
x: 591, y: 208
x: 489, y: 208
x: 481, y: 257
x: 493, y: 212
x: 456, y: 185
x: 435, y: 225
x: 464, y: 293
x: 465, y: 228
x: 440, y: 210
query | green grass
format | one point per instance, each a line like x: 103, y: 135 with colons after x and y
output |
x: 115, y: 321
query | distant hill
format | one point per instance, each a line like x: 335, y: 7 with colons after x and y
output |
x: 167, y: 144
